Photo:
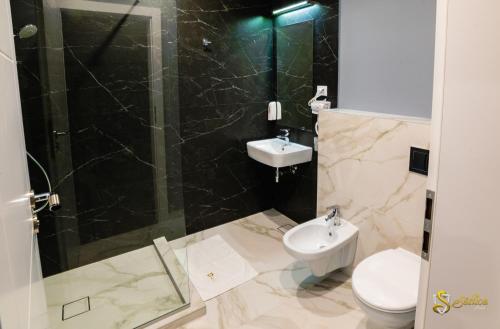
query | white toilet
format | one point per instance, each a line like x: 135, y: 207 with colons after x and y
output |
x: 385, y: 286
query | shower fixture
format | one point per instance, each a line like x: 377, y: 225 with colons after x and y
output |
x: 27, y: 31
x: 51, y: 199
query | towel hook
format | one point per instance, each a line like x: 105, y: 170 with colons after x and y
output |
x: 206, y: 43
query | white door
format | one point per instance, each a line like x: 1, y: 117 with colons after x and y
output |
x: 17, y: 247
x: 465, y: 242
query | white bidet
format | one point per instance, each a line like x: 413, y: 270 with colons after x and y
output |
x: 323, y: 246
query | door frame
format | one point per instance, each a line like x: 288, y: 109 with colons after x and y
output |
x: 466, y: 74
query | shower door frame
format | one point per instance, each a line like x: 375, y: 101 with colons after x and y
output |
x: 60, y: 167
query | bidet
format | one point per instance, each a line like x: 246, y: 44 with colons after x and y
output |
x: 324, y: 247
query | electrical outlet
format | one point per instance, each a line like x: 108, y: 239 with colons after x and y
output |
x: 322, y: 91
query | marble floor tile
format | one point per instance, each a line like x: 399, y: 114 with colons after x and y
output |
x: 284, y: 294
x: 124, y: 291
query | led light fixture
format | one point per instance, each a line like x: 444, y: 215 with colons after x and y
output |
x: 291, y: 7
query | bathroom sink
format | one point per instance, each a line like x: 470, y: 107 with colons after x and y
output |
x: 277, y: 153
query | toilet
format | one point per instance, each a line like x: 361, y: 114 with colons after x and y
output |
x: 385, y: 286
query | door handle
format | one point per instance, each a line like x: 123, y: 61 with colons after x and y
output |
x: 60, y: 133
x: 55, y: 140
x: 34, y: 217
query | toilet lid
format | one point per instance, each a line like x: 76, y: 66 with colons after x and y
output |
x: 388, y: 280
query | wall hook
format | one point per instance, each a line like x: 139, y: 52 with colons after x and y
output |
x: 206, y: 44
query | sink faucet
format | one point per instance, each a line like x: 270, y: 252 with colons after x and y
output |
x: 333, y: 218
x: 284, y: 133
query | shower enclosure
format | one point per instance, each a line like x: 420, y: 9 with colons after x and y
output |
x: 98, y: 82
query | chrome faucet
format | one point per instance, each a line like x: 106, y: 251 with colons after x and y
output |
x: 284, y: 133
x: 333, y: 216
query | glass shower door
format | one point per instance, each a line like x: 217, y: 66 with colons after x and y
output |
x: 99, y: 90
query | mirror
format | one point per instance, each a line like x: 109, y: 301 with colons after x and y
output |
x: 294, y: 73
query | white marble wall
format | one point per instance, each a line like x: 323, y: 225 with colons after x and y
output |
x: 363, y: 168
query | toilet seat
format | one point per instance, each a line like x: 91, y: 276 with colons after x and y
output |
x: 388, y: 281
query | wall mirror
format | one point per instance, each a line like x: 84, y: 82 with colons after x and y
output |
x: 294, y: 73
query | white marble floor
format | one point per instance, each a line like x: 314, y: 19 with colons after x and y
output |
x: 124, y: 291
x: 283, y: 294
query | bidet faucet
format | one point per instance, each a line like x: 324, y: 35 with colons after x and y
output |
x: 333, y: 216
x: 284, y: 133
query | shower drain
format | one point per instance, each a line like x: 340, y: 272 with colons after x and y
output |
x: 75, y: 308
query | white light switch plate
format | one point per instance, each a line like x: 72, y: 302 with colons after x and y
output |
x: 322, y: 90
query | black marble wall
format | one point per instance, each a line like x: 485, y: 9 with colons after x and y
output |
x: 91, y: 117
x: 86, y: 76
x: 224, y: 90
x: 296, y: 195
x: 114, y: 195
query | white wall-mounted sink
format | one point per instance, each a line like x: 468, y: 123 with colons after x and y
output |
x: 277, y: 153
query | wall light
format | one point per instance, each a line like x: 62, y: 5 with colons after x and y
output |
x: 294, y: 6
